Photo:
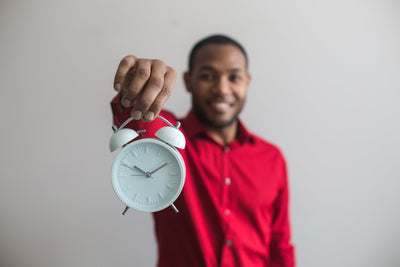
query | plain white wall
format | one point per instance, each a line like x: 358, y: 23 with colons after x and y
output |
x: 326, y: 86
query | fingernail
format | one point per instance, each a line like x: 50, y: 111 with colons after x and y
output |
x: 149, y: 115
x: 126, y: 102
x: 137, y: 115
x: 117, y: 87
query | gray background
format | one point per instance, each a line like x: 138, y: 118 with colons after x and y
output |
x: 325, y: 88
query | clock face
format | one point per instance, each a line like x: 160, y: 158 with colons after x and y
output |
x: 148, y: 175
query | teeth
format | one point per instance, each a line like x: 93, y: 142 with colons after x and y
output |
x: 221, y: 106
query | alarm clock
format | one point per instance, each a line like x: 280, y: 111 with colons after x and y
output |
x: 148, y: 174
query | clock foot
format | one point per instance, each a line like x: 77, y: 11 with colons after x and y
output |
x: 175, y: 209
x: 125, y: 210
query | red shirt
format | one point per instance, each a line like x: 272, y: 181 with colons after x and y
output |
x: 233, y: 209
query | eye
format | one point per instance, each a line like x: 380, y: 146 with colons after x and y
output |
x: 206, y: 77
x: 235, y: 78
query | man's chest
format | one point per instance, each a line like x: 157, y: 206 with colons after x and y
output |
x: 238, y: 177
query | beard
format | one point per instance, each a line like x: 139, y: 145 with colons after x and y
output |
x: 212, y: 122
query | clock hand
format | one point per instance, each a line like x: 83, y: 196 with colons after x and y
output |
x: 138, y: 169
x: 142, y: 171
x: 128, y: 167
x: 162, y: 166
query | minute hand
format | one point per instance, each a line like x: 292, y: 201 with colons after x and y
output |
x: 162, y: 166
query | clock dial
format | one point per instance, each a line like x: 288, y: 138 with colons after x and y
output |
x: 148, y: 175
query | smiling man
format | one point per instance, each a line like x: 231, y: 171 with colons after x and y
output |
x: 234, y: 204
x: 218, y: 81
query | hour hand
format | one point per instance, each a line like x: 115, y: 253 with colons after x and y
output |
x: 147, y: 174
x: 136, y: 168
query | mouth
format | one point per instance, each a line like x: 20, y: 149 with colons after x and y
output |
x: 221, y: 107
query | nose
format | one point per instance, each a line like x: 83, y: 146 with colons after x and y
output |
x: 221, y: 86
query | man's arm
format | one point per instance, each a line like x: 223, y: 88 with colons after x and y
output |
x: 145, y: 85
x: 281, y: 249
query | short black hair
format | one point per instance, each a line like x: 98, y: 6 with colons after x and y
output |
x: 217, y: 39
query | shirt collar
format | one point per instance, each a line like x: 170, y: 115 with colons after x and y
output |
x: 193, y: 127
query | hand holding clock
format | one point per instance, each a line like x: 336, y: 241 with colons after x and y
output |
x: 146, y: 84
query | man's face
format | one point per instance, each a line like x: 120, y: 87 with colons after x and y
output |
x: 218, y: 83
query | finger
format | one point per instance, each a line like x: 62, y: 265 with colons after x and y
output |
x: 162, y: 97
x: 152, y: 89
x: 137, y: 81
x: 126, y: 64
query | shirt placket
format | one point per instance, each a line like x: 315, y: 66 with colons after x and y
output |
x: 226, y: 209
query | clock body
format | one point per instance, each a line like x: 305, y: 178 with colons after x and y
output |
x: 148, y: 175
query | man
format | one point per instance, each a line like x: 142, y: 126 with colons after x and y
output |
x: 234, y: 204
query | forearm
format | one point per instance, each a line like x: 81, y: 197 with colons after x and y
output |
x: 281, y: 249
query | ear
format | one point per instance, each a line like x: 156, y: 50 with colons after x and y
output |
x: 248, y: 79
x: 186, y: 79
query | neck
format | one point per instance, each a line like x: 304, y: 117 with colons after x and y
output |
x: 224, y: 136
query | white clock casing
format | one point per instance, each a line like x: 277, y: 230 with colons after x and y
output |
x: 148, y: 175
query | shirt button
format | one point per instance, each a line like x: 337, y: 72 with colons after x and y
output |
x: 229, y: 243
x: 226, y: 149
x: 227, y: 211
x: 227, y: 181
